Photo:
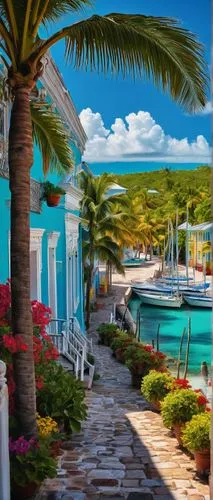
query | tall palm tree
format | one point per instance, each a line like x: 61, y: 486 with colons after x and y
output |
x: 105, y: 225
x: 128, y: 43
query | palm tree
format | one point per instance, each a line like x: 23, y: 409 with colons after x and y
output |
x: 105, y: 224
x: 131, y: 44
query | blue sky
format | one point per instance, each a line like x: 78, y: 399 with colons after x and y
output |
x: 116, y: 98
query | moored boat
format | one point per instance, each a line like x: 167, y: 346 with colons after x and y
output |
x: 198, y: 301
x: 159, y: 300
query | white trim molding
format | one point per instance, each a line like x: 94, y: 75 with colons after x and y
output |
x: 53, y: 239
x: 55, y: 86
x: 36, y: 246
x: 72, y: 272
x: 73, y: 196
x: 36, y: 238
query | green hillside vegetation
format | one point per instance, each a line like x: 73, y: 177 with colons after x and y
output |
x: 176, y: 190
x: 165, y: 179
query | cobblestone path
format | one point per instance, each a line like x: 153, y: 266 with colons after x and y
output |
x: 123, y: 450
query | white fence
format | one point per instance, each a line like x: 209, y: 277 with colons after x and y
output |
x: 4, y: 436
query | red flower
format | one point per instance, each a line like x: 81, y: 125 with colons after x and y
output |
x: 5, y: 299
x: 21, y: 346
x: 160, y: 355
x: 39, y: 383
x: 181, y: 383
x: 148, y: 348
x: 202, y: 400
x: 9, y: 343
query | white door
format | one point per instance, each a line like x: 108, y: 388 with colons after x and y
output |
x: 52, y: 281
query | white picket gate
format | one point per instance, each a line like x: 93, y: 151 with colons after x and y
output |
x: 4, y: 436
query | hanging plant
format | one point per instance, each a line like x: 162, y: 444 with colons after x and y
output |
x: 52, y: 194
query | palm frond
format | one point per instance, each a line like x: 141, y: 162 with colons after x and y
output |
x: 51, y: 137
x: 142, y: 46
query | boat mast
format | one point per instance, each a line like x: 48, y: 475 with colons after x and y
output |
x: 187, y: 244
x: 177, y: 251
x: 172, y: 248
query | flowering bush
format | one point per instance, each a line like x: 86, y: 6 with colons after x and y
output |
x: 46, y: 426
x: 180, y: 383
x: 178, y: 407
x: 196, y: 435
x: 155, y: 386
x: 30, y: 461
x: 5, y: 299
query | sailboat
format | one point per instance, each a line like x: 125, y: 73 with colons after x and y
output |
x: 158, y: 300
x: 203, y: 301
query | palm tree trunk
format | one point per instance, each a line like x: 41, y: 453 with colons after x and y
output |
x: 88, y: 290
x: 20, y: 161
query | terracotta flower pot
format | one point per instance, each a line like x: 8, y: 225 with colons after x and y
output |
x: 202, y: 460
x: 178, y: 429
x: 136, y: 380
x: 24, y: 492
x: 53, y: 200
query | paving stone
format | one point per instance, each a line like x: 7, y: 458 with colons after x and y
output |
x: 150, y: 483
x: 140, y: 496
x: 135, y: 474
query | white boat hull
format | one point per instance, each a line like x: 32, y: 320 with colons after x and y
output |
x: 160, y: 300
x: 204, y: 302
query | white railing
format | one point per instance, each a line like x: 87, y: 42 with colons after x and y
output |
x: 4, y: 437
x: 73, y: 345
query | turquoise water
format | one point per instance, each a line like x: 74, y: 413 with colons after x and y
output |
x: 138, y: 166
x: 172, y: 322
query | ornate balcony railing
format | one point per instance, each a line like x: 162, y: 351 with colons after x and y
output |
x: 35, y: 187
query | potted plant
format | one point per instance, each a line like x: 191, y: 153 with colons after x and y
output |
x: 120, y: 344
x: 52, y: 194
x: 140, y: 360
x: 155, y: 386
x: 178, y: 408
x: 196, y: 438
x: 107, y: 332
x: 30, y: 464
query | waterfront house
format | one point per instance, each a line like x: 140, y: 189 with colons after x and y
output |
x: 55, y: 232
x: 200, y: 239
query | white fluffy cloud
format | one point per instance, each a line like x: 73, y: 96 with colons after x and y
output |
x: 137, y: 138
x: 208, y: 109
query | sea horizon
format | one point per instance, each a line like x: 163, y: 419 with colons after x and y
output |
x: 122, y: 168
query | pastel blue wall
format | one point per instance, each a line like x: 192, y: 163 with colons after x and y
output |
x: 50, y: 219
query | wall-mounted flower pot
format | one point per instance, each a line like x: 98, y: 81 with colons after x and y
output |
x: 53, y: 200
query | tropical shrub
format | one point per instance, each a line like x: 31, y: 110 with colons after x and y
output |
x: 121, y: 342
x: 49, y: 189
x: 107, y: 332
x: 178, y: 407
x: 155, y: 386
x: 62, y: 397
x: 196, y: 435
x: 140, y: 359
x: 30, y: 461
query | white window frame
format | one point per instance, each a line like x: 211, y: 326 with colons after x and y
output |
x: 36, y: 236
x: 52, y: 239
x: 72, y: 274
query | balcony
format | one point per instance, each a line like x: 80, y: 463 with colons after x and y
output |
x: 4, y: 173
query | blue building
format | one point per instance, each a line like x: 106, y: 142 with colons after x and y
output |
x: 55, y: 233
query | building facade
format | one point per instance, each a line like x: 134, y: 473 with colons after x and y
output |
x: 55, y: 232
x: 200, y: 241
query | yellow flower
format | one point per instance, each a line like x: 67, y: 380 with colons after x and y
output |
x: 46, y: 425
